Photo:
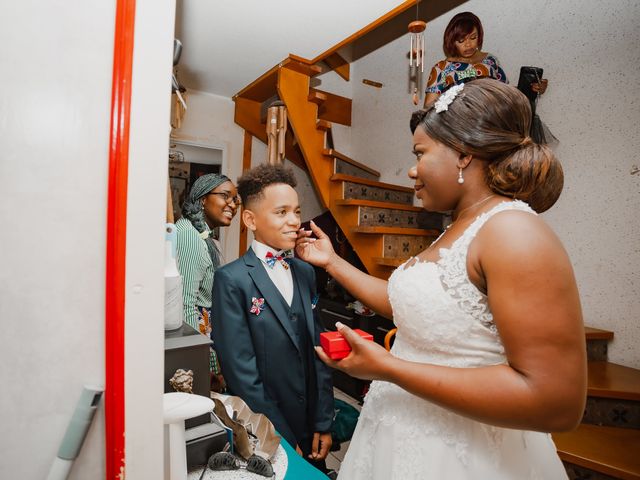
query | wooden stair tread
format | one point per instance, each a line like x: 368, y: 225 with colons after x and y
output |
x: 316, y: 97
x: 609, y: 450
x: 598, y: 334
x: 332, y: 107
x: 330, y: 152
x: 396, y: 231
x: 340, y: 177
x: 389, y: 261
x: 611, y: 380
x: 266, y: 85
x: 357, y: 202
x: 323, y: 125
x: 294, y: 63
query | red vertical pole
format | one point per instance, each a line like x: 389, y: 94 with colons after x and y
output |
x: 116, y: 239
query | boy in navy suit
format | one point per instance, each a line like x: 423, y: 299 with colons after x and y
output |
x: 264, y: 327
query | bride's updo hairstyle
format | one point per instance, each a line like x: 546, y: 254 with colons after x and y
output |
x: 490, y: 120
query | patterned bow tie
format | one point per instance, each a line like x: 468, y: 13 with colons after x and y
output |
x: 283, y: 257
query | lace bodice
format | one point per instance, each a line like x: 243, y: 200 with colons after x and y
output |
x: 443, y: 319
x: 441, y: 316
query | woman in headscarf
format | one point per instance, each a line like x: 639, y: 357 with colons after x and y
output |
x: 212, y: 202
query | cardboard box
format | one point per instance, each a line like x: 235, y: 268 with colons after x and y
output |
x: 335, y: 345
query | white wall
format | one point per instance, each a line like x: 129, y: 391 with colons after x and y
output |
x: 54, y: 116
x: 590, y: 54
x: 208, y: 121
x: 146, y: 217
x: 332, y: 82
x: 53, y: 177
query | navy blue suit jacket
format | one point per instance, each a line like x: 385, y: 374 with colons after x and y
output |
x: 259, y: 354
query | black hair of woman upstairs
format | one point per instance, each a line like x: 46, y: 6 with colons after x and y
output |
x: 489, y: 353
x: 464, y: 58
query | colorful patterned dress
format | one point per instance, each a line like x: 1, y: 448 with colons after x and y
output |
x: 445, y: 74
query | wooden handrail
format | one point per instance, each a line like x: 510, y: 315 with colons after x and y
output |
x: 382, y: 31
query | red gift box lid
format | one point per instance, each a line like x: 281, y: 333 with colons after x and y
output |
x: 332, y: 342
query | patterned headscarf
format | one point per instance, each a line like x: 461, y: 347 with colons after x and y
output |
x: 192, y: 208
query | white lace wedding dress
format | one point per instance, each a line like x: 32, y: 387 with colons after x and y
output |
x: 443, y: 319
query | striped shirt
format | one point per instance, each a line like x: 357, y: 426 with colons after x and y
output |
x: 196, y: 269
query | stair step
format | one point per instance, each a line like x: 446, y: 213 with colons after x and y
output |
x: 396, y: 230
x: 386, y: 217
x: 299, y: 65
x: 597, y: 343
x: 356, y: 202
x: 612, y: 412
x: 266, y: 85
x: 372, y: 183
x: 365, y: 189
x: 347, y: 166
x: 613, y: 381
x: 330, y: 152
x: 390, y: 262
x: 334, y: 108
x: 607, y: 450
x: 323, y: 125
x: 613, y: 396
x: 401, y: 214
x: 316, y: 97
x: 598, y: 334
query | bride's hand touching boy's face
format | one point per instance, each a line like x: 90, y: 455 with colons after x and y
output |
x: 367, y: 359
x: 317, y: 251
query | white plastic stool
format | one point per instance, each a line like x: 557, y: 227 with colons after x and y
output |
x: 178, y: 406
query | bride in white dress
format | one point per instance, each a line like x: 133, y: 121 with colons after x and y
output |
x: 489, y: 353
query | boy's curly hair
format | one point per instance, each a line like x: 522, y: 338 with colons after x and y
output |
x: 251, y: 185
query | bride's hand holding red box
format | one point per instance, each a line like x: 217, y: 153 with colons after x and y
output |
x: 365, y: 359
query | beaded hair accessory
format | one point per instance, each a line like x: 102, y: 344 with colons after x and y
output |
x: 444, y: 100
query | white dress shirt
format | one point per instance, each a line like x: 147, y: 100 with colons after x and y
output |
x: 280, y: 276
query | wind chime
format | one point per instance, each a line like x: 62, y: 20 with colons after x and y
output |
x: 276, y: 132
x: 416, y: 55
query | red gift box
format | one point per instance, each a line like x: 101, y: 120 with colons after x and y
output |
x: 335, y: 345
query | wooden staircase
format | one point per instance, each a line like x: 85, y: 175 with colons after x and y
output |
x: 378, y: 219
x: 606, y: 445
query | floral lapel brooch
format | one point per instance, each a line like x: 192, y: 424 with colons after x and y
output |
x: 257, y: 305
